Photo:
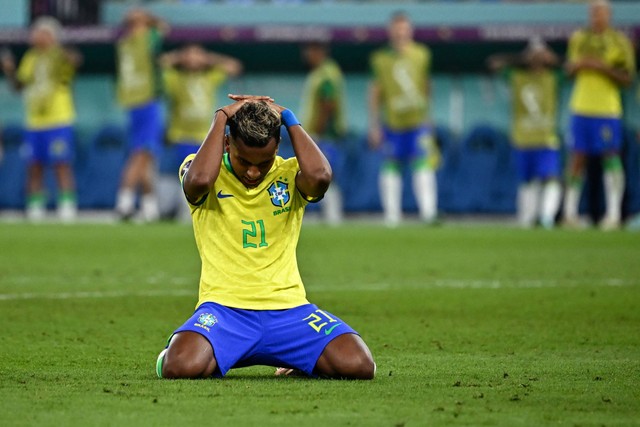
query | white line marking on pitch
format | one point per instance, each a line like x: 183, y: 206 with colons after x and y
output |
x: 365, y: 287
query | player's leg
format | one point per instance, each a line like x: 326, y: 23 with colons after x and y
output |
x: 189, y: 355
x: 425, y: 158
x: 390, y: 181
x: 314, y: 342
x: 36, y: 160
x: 528, y: 188
x: 548, y: 170
x: 149, y: 200
x: 61, y: 153
x: 67, y: 206
x: 581, y: 138
x: 331, y: 203
x: 347, y: 356
x: 611, y: 141
x: 36, y: 201
x: 211, y: 342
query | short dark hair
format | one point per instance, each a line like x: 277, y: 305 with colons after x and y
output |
x: 255, y: 123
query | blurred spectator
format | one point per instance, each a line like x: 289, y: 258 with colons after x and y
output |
x: 68, y: 12
x: 45, y: 74
x: 534, y: 81
x: 399, y: 120
x: 324, y: 117
x: 602, y: 61
x: 191, y: 78
x: 138, y: 91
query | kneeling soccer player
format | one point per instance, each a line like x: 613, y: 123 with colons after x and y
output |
x: 247, y: 206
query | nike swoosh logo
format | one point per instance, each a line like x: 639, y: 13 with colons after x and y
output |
x: 328, y: 331
x: 223, y: 196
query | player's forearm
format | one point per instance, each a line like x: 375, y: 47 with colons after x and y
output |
x: 315, y: 171
x: 205, y: 167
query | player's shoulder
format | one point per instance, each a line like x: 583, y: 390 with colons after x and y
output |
x: 290, y: 164
x: 620, y: 36
x: 184, y: 167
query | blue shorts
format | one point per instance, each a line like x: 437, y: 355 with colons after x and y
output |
x: 293, y: 338
x: 406, y: 145
x: 145, y: 128
x: 538, y: 163
x: 50, y: 145
x: 181, y: 150
x: 596, y: 135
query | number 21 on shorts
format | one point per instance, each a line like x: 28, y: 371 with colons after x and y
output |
x: 318, y: 322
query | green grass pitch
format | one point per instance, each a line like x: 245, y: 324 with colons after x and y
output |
x: 468, y: 325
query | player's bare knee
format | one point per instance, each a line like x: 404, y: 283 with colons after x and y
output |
x: 184, y: 367
x: 360, y: 367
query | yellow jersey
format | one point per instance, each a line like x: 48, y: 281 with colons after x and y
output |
x: 47, y: 76
x: 191, y: 96
x: 403, y: 78
x: 247, y: 239
x: 594, y: 94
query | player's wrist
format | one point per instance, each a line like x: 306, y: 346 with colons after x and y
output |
x: 221, y: 114
x: 289, y: 119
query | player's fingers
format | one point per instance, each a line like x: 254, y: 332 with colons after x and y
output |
x: 283, y: 372
x: 236, y: 97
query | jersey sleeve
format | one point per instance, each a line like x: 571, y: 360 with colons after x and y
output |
x: 169, y: 80
x: 24, y: 73
x: 572, y: 49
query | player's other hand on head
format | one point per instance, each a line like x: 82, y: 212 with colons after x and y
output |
x: 231, y: 109
x: 7, y: 62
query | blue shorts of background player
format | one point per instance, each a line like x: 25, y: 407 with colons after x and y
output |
x: 596, y: 135
x: 406, y: 145
x: 293, y: 338
x: 50, y: 146
x: 537, y: 163
x: 146, y: 128
x: 180, y: 150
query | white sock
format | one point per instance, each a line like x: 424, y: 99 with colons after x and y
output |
x: 571, y: 200
x: 528, y: 200
x: 149, y: 207
x: 332, y: 205
x: 391, y: 196
x: 425, y: 190
x: 613, y: 192
x: 125, y: 201
x: 36, y: 211
x: 551, y: 196
x: 67, y: 210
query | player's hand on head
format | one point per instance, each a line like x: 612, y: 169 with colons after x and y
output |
x: 231, y: 109
x: 253, y: 98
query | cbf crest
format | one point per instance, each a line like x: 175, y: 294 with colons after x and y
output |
x: 279, y: 192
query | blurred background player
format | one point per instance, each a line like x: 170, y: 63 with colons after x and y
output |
x: 399, y: 120
x: 602, y: 61
x: 324, y: 117
x: 138, y: 88
x: 45, y: 74
x: 191, y: 78
x: 534, y: 82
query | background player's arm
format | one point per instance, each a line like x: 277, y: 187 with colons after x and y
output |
x: 375, y: 128
x: 231, y: 66
x: 315, y: 172
x: 621, y: 77
x: 8, y: 64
